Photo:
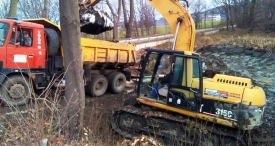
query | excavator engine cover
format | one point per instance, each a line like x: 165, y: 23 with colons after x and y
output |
x: 93, y: 21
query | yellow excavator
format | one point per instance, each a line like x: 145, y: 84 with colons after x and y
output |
x: 175, y: 102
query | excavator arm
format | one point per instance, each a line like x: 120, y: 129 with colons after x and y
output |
x: 180, y: 21
x: 87, y: 3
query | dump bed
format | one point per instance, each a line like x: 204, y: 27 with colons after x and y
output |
x: 99, y: 51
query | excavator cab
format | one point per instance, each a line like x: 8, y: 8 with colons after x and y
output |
x: 171, y: 78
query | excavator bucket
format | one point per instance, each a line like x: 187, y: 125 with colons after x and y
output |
x: 93, y: 21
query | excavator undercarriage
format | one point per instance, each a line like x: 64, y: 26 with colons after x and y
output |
x: 171, y: 128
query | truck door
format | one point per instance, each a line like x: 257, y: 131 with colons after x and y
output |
x: 185, y: 87
x: 20, y: 50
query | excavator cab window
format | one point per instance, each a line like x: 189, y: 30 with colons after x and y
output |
x: 155, y: 74
x: 186, y: 83
x: 172, y: 79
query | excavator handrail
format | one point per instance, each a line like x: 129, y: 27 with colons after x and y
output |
x: 173, y: 12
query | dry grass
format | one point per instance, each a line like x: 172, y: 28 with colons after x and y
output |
x: 239, y: 37
x: 41, y: 120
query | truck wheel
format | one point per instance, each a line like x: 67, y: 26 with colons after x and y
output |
x: 117, y: 82
x: 52, y: 41
x: 15, y: 91
x: 108, y: 76
x: 97, y: 86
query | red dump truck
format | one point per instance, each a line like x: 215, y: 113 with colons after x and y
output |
x: 42, y: 61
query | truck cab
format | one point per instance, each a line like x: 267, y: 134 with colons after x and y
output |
x: 24, y: 60
x: 14, y: 54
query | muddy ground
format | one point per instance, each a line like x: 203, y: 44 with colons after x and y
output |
x: 225, y: 58
x: 259, y: 65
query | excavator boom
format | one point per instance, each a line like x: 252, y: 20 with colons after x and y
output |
x: 173, y: 12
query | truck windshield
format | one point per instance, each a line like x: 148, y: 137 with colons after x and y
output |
x: 4, y: 29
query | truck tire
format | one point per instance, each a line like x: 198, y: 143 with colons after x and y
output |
x: 97, y: 86
x: 15, y: 91
x: 117, y: 82
x: 108, y: 76
x: 52, y: 41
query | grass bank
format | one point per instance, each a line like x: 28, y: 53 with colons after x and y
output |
x: 239, y: 37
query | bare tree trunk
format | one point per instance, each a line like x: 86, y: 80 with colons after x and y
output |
x: 74, y: 93
x: 128, y: 23
x: 13, y: 8
x: 142, y: 27
x: 205, y: 15
x: 252, y: 15
x: 227, y: 18
x: 231, y: 17
x: 116, y: 17
x: 136, y: 26
x: 45, y: 12
x: 246, y: 13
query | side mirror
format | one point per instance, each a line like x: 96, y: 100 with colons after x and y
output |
x: 16, y: 22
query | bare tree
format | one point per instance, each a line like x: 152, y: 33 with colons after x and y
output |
x: 226, y: 8
x: 116, y: 17
x: 128, y: 22
x: 146, y: 16
x: 198, y: 8
x: 35, y: 9
x: 74, y: 93
x: 13, y: 8
x: 4, y: 12
x: 252, y: 14
x: 53, y: 13
x: 45, y: 12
